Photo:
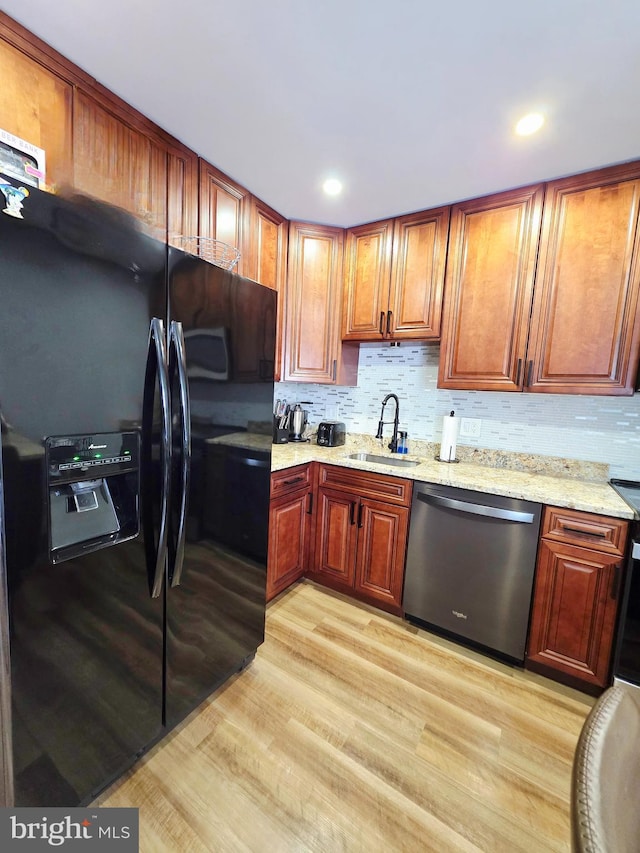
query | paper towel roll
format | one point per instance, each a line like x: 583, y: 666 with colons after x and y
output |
x: 450, y: 426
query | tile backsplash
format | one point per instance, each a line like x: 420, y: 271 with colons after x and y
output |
x: 597, y: 429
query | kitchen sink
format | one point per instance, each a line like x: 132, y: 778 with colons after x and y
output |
x: 384, y: 460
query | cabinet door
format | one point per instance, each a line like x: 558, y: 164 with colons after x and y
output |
x: 119, y: 164
x: 223, y: 211
x: 312, y: 350
x: 574, y: 611
x: 417, y: 275
x: 289, y: 525
x: 268, y: 261
x: 585, y: 329
x: 336, y: 535
x: 368, y: 271
x: 489, y: 283
x: 36, y: 105
x: 382, y: 545
x: 182, y: 194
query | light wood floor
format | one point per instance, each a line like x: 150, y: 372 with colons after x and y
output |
x: 353, y: 731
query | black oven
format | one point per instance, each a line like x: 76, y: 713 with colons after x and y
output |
x: 626, y: 665
x: 627, y: 659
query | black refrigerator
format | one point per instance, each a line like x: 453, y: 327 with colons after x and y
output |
x: 136, y: 385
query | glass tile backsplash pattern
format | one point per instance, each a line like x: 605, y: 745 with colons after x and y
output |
x: 597, y: 429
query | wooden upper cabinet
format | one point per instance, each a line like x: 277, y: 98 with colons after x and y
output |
x: 36, y: 105
x: 223, y: 211
x: 585, y: 328
x: 489, y: 283
x: 313, y: 351
x: 182, y: 194
x: 394, y: 277
x: 267, y: 260
x: 417, y: 274
x: 268, y: 237
x: 368, y: 273
x: 119, y: 164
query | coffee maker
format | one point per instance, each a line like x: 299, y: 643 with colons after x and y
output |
x: 298, y: 423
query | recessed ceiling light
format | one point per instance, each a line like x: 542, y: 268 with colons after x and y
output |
x: 529, y: 124
x: 332, y: 186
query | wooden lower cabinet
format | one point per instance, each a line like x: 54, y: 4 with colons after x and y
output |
x: 575, y: 601
x: 290, y: 527
x: 382, y: 547
x: 361, y: 535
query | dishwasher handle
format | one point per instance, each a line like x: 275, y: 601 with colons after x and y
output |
x: 477, y: 509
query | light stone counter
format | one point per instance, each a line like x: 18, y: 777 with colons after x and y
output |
x: 245, y: 440
x: 564, y: 483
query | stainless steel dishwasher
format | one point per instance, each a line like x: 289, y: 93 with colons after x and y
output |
x: 470, y: 566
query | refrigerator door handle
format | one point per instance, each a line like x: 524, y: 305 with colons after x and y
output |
x: 157, y: 342
x: 176, y: 340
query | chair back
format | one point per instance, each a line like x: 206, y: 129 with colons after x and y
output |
x: 605, y: 786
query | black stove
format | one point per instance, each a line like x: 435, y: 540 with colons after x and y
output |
x: 629, y: 491
x: 626, y: 666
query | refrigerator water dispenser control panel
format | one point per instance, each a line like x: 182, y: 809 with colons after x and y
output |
x: 93, y: 492
x: 72, y: 457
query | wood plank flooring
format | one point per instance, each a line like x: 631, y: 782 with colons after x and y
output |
x: 354, y: 731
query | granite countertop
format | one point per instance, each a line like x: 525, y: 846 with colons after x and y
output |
x: 557, y: 482
x: 245, y: 440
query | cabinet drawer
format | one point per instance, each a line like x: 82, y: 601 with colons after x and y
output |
x: 382, y: 487
x: 290, y: 479
x: 598, y: 532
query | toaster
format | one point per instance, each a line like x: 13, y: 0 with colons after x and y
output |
x: 331, y: 433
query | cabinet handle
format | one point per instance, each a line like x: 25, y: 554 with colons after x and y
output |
x: 518, y: 371
x: 335, y: 368
x: 382, y: 322
x: 310, y: 508
x: 353, y: 513
x: 598, y: 534
x: 615, y: 581
x: 291, y: 482
x: 389, y: 318
x: 360, y: 508
x: 529, y: 372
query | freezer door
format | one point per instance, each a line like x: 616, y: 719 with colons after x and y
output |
x: 78, y: 287
x: 216, y: 602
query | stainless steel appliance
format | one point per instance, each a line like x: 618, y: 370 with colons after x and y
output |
x: 298, y: 423
x: 121, y: 605
x: 626, y: 666
x: 470, y: 566
x: 331, y: 434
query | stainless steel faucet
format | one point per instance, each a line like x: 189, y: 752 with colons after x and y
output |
x: 393, y: 444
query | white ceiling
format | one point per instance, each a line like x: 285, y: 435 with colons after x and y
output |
x: 411, y: 103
